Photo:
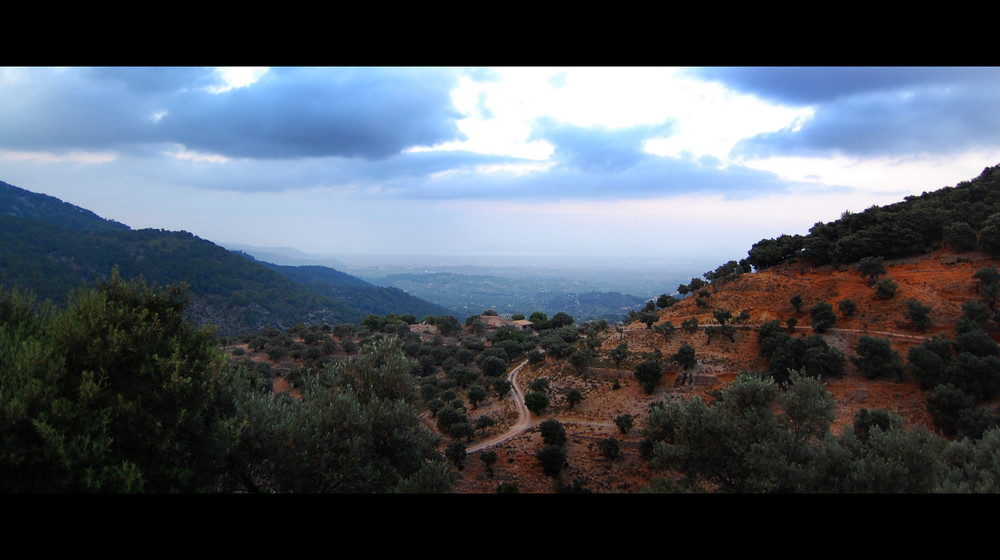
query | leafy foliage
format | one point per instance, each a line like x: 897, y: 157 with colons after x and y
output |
x: 536, y: 401
x: 822, y: 317
x: 743, y: 443
x: 119, y: 392
x: 874, y: 357
x: 648, y: 373
x: 553, y: 432
x: 897, y: 230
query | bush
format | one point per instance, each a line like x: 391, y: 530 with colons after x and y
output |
x: 919, y: 314
x: 847, y: 307
x: 885, y: 288
x: 648, y: 373
x: 553, y: 432
x: 536, y: 401
x: 552, y: 458
x: 945, y: 405
x: 822, y: 317
x: 624, y: 422
x: 609, y: 447
x: 874, y: 357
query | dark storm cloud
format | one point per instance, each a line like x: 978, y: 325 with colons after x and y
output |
x: 873, y: 111
x: 288, y: 113
x: 398, y: 175
x: 154, y: 79
x: 368, y: 113
x: 806, y: 86
x: 649, y: 177
x: 598, y: 149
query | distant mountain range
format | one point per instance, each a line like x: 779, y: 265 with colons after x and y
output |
x: 51, y: 248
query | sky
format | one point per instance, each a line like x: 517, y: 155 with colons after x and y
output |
x: 665, y: 164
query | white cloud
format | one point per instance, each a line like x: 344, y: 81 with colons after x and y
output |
x: 237, y: 77
x: 75, y: 156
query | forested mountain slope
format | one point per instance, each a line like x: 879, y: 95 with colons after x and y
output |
x: 52, y: 248
x: 951, y: 216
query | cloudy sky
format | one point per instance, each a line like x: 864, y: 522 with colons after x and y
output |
x: 660, y: 163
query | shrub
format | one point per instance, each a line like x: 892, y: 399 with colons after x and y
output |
x: 885, y: 288
x: 822, y: 317
x: 874, y: 357
x: 536, y: 401
x: 648, y: 373
x: 552, y: 458
x: 919, y: 314
x: 553, y: 432
x: 609, y: 447
x: 847, y: 307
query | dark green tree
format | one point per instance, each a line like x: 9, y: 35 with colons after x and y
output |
x: 619, y: 354
x: 117, y: 392
x: 874, y: 357
x: 552, y: 458
x: 960, y: 236
x: 665, y: 301
x: 946, y: 403
x: 648, y: 373
x: 685, y: 356
x: 581, y: 359
x: 624, y: 422
x: 919, y: 314
x: 796, y: 301
x: 502, y: 387
x: 989, y: 234
x: 493, y: 366
x: 484, y: 423
x: 553, y: 432
x: 885, y: 288
x: 722, y: 316
x: 448, y: 325
x: 609, y: 447
x: 872, y: 267
x: 476, y: 395
x: 536, y: 401
x: 648, y: 318
x: 455, y: 452
x: 489, y: 458
x: 847, y: 307
x: 539, y: 384
x: 573, y: 397
x: 665, y: 328
x: 822, y: 317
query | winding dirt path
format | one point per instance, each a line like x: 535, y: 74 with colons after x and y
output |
x: 524, y: 419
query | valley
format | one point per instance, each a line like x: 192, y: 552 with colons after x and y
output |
x: 805, y: 367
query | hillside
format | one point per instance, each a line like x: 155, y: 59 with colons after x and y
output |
x: 941, y: 280
x: 53, y: 248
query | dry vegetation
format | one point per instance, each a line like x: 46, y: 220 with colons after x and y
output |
x: 942, y: 280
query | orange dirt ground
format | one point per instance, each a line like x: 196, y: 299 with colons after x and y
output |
x: 939, y: 280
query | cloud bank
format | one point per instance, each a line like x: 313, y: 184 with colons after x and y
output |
x: 334, y: 149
